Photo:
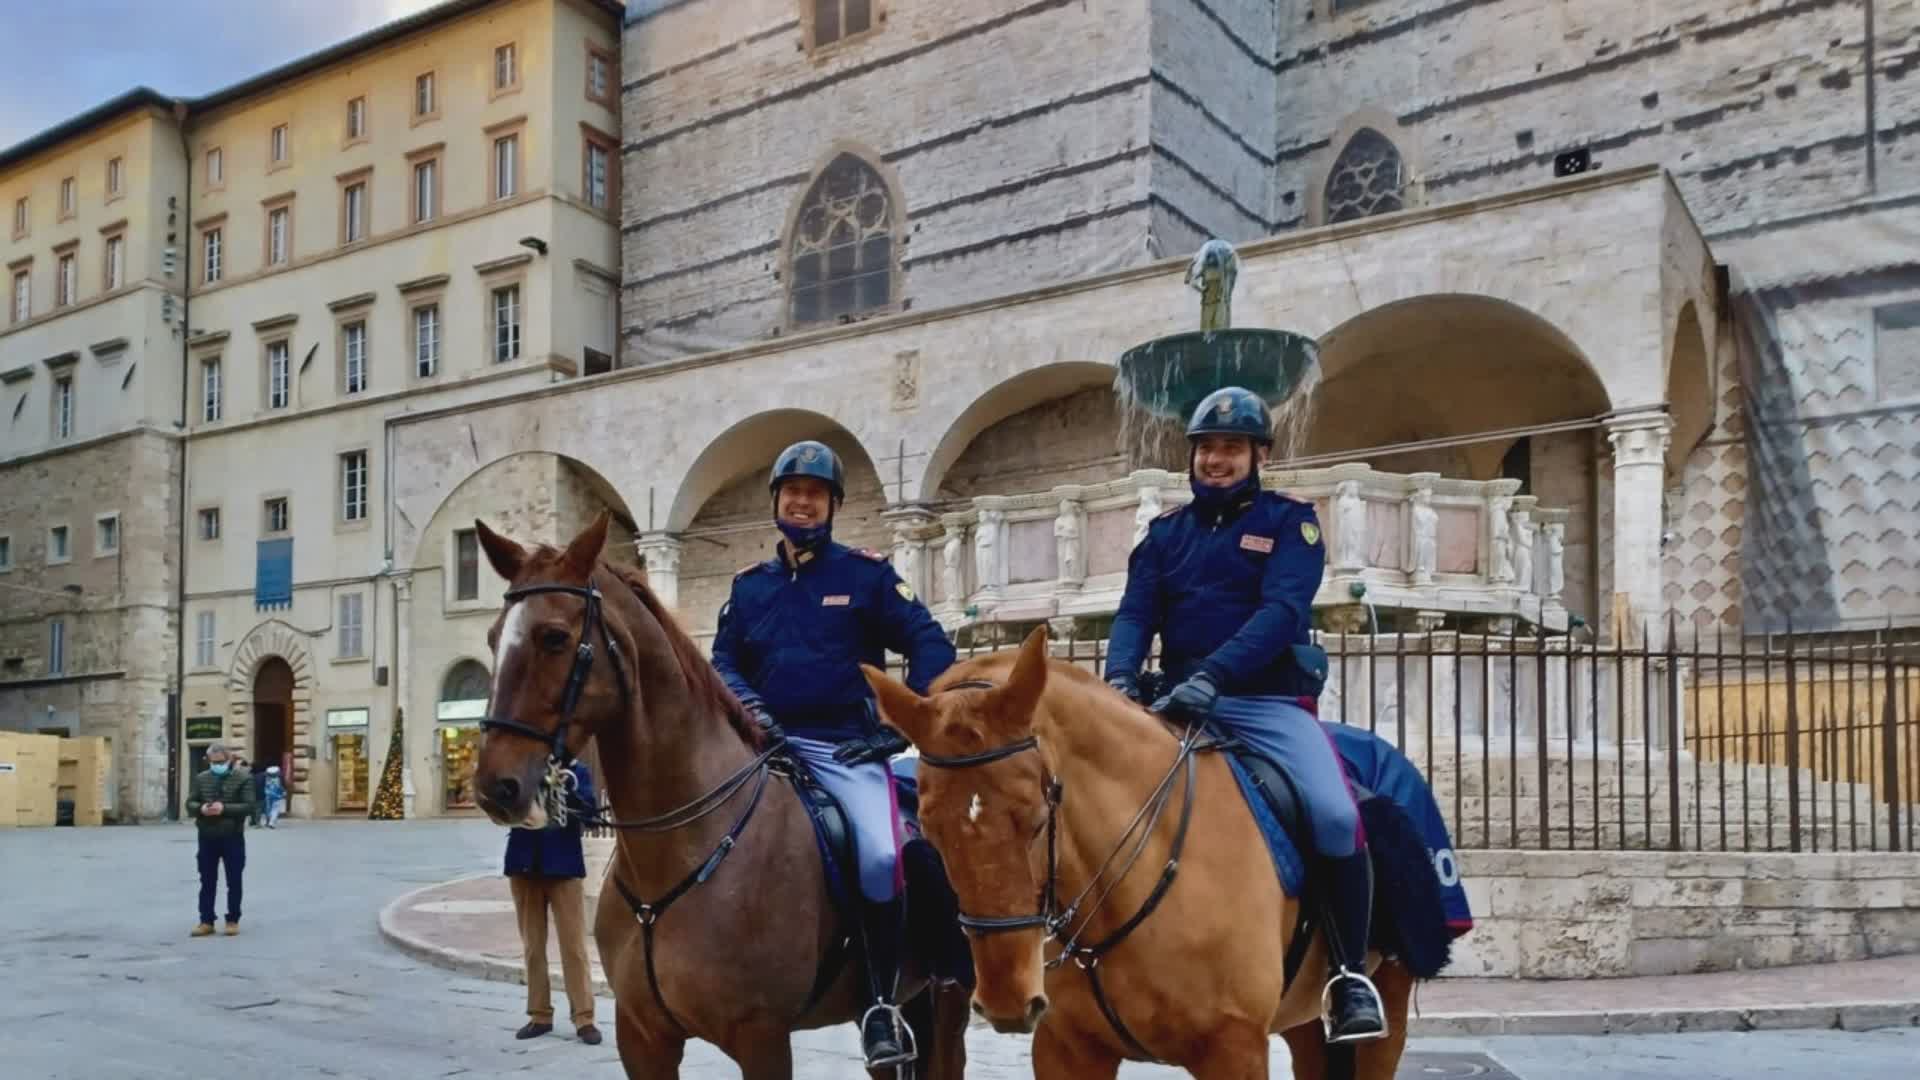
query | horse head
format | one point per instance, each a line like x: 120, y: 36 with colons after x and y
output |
x: 558, y: 671
x: 984, y: 804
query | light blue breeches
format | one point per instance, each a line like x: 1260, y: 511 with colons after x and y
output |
x: 873, y: 810
x: 1279, y: 728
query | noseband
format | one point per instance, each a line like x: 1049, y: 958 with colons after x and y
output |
x: 557, y: 752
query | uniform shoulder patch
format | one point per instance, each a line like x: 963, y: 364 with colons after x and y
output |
x: 876, y: 556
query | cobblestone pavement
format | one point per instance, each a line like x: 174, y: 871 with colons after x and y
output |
x: 102, y: 982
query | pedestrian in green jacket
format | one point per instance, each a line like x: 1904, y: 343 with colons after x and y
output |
x: 220, y: 802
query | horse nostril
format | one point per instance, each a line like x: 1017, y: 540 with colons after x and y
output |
x: 979, y: 1009
x: 1036, y: 1007
x: 506, y: 791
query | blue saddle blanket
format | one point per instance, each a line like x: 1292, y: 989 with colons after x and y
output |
x: 1375, y: 764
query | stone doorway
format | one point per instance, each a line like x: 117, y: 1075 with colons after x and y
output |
x: 273, y: 716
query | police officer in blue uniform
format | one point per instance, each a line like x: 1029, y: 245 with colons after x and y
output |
x: 790, y: 643
x: 1227, y: 581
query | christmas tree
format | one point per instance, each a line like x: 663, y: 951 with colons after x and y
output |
x: 387, y: 801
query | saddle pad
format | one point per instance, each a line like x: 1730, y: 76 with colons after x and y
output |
x: 1280, y: 847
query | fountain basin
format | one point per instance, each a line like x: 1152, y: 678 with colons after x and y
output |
x: 1169, y: 376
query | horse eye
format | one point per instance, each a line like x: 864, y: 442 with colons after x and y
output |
x: 554, y: 640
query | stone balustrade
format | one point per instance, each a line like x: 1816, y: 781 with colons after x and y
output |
x: 1422, y: 544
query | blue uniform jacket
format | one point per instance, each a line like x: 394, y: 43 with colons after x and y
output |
x: 554, y: 852
x: 791, y: 639
x: 1230, y: 594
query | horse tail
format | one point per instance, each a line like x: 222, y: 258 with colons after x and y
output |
x: 1409, y: 914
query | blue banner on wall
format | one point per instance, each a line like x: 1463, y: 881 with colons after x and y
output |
x: 273, y: 574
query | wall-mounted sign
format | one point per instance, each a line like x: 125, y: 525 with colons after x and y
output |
x: 205, y: 728
x: 453, y: 711
x: 346, y: 718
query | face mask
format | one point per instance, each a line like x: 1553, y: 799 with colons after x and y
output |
x: 220, y: 769
x: 800, y: 538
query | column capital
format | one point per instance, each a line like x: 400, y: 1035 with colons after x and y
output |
x: 1639, y: 437
x: 403, y: 587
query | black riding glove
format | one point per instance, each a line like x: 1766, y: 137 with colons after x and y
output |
x: 1194, y: 697
x: 1129, y: 688
x: 775, y: 734
x: 879, y: 746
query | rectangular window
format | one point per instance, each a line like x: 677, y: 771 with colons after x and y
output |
x: 58, y: 547
x: 466, y: 559
x: 599, y: 174
x: 277, y: 146
x: 69, y: 197
x: 506, y: 162
x: 6, y: 552
x: 116, y: 262
x: 353, y: 486
x: 203, y: 639
x: 350, y: 625
x: 216, y: 167
x: 211, y: 247
x: 506, y: 70
x: 836, y: 20
x: 278, y: 222
x: 506, y: 324
x: 599, y: 76
x: 353, y: 357
x: 424, y: 176
x: 423, y: 95
x: 106, y: 534
x: 66, y: 281
x: 22, y: 295
x: 357, y: 118
x: 21, y: 218
x: 114, y: 175
x: 56, y: 647
x: 279, y: 375
x: 278, y: 518
x: 426, y: 340
x: 63, y: 407
x: 210, y: 523
x: 211, y: 390
x: 353, y: 214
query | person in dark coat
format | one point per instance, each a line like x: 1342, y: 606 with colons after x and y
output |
x: 789, y: 643
x: 545, y: 869
x: 219, y: 803
x: 1228, y: 581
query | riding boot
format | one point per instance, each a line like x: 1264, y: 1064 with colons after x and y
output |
x: 884, y: 1036
x: 1354, y: 1011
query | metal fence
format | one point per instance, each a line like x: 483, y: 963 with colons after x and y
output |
x: 1674, y: 740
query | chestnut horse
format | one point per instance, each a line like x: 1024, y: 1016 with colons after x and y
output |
x: 1118, y: 894
x: 716, y: 922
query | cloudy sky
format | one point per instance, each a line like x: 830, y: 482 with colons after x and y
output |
x: 61, y: 57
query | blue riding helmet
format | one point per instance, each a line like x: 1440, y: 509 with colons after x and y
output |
x: 1232, y: 410
x: 812, y: 459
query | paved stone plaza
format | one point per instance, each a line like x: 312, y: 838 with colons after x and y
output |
x: 104, y: 983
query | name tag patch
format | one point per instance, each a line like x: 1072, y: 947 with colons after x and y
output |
x: 1261, y: 544
x: 835, y: 601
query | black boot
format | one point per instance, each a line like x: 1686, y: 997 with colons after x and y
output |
x: 884, y: 1037
x: 1354, y: 1011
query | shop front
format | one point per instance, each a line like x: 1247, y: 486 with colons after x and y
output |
x: 463, y: 703
x: 347, y: 748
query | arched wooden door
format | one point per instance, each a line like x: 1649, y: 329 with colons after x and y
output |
x: 273, y: 716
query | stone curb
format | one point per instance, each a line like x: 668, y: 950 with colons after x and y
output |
x: 1844, y: 1016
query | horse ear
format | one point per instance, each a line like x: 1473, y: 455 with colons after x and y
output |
x: 1029, y: 676
x: 899, y: 706
x: 506, y: 556
x: 583, y: 554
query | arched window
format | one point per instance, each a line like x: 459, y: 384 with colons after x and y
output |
x: 467, y: 682
x: 1368, y: 178
x: 842, y: 247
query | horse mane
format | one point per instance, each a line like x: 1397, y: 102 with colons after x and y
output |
x: 703, y: 679
x: 1083, y: 688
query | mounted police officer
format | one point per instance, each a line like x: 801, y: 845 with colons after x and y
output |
x: 790, y: 643
x: 1227, y: 581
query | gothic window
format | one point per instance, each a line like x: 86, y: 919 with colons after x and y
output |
x: 841, y: 251
x: 1368, y: 178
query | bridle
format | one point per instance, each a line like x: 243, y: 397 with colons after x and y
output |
x: 559, y: 756
x: 1057, y: 923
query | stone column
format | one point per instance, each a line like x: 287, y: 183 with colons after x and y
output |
x: 402, y: 686
x: 914, y: 527
x: 1639, y: 488
x: 660, y: 553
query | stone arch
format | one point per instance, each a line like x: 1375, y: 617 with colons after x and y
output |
x: 1368, y: 168
x: 557, y: 495
x: 1690, y: 388
x: 268, y: 641
x: 843, y: 232
x: 1008, y: 399
x: 723, y: 513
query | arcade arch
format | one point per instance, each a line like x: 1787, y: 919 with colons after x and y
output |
x: 1058, y: 424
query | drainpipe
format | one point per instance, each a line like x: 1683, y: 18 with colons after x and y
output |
x: 176, y: 706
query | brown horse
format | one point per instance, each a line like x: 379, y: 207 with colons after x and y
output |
x: 716, y: 923
x: 1031, y: 771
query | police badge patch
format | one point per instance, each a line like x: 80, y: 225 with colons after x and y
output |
x: 1310, y: 533
x: 905, y: 590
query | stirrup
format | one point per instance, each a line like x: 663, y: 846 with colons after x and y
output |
x: 1326, y: 1008
x: 909, y: 1051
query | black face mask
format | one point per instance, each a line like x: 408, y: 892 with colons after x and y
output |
x: 803, y: 538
